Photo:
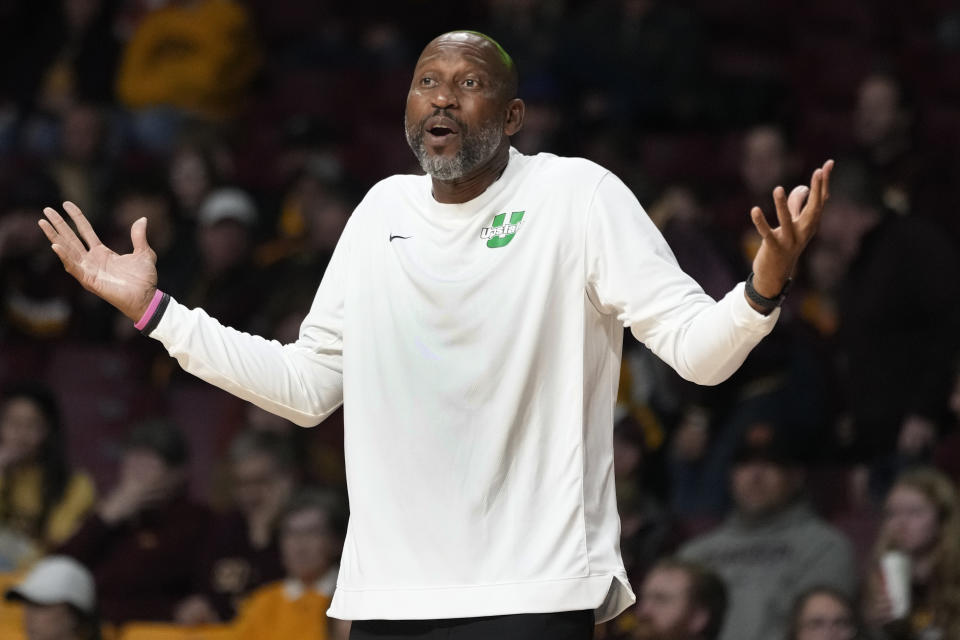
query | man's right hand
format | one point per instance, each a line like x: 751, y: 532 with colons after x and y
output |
x: 127, y: 281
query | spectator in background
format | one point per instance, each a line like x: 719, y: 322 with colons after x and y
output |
x: 897, y: 341
x: 645, y: 525
x: 315, y: 213
x: 36, y: 303
x: 42, y: 500
x: 70, y: 59
x: 188, y: 60
x: 767, y: 159
x: 59, y: 601
x: 772, y: 547
x: 318, y: 452
x: 226, y: 275
x: 911, y: 178
x: 882, y: 124
x: 689, y: 230
x: 922, y: 520
x: 142, y: 541
x: 135, y: 196
x: 241, y: 551
x: 195, y: 169
x: 823, y: 613
x: 312, y: 528
x: 680, y: 600
x: 81, y: 169
x: 143, y: 197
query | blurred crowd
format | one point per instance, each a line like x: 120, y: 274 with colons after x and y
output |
x: 788, y: 502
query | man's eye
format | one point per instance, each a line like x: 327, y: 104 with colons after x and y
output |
x: 470, y: 82
x: 426, y: 82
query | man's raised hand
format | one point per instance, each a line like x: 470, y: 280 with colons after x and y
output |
x: 127, y: 281
x: 781, y: 246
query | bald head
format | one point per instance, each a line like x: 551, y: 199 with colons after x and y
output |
x: 462, y: 109
x: 501, y: 65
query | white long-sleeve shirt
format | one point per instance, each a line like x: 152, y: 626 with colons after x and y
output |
x: 476, y: 349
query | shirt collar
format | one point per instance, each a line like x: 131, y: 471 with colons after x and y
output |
x: 295, y: 589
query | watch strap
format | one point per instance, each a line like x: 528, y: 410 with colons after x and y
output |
x: 765, y: 303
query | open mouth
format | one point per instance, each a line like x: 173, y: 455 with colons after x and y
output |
x: 440, y: 129
x: 441, y: 132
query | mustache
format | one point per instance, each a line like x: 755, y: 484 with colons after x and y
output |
x: 438, y: 111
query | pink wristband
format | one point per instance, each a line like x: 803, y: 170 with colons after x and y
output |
x: 151, y: 309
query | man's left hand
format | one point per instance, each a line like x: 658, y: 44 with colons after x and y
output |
x: 780, y: 247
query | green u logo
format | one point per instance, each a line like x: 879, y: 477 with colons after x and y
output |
x: 500, y: 234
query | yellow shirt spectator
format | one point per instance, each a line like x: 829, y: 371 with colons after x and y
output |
x: 22, y: 504
x: 42, y: 500
x: 288, y: 609
x: 196, y: 56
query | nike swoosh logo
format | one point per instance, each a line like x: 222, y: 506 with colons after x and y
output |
x: 392, y: 238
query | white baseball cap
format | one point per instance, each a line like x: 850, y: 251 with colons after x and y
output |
x: 228, y: 203
x: 57, y: 580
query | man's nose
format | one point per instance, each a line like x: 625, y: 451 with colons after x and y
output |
x: 444, y: 97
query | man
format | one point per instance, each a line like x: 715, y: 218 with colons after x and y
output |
x: 241, y: 551
x: 471, y: 323
x: 311, y: 538
x: 772, y: 548
x: 680, y: 600
x: 59, y: 601
x: 766, y: 160
x: 141, y: 542
x: 894, y: 396
x: 225, y: 273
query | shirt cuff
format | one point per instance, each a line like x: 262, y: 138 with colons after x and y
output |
x: 747, y: 316
x: 151, y: 317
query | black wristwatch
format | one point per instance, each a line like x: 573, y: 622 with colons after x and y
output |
x: 767, y: 304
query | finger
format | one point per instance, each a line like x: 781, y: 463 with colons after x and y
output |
x: 827, y: 170
x: 65, y: 234
x: 69, y: 259
x: 48, y: 231
x: 815, y: 201
x: 796, y: 199
x: 83, y: 225
x: 138, y: 235
x: 814, y: 207
x: 66, y: 257
x: 760, y: 222
x: 783, y: 214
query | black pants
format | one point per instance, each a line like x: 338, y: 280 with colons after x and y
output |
x: 568, y: 625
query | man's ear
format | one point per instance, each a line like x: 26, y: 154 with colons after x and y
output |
x: 515, y: 110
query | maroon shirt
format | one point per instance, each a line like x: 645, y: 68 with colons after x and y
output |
x: 230, y: 567
x: 145, y: 565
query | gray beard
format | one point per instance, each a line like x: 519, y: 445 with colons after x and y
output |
x: 474, y: 151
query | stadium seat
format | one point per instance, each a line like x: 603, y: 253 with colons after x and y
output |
x: 22, y: 362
